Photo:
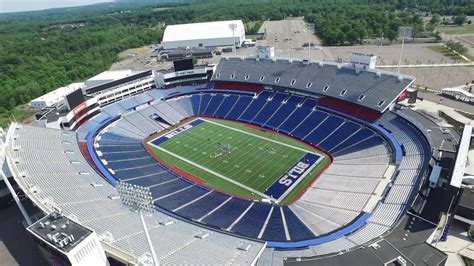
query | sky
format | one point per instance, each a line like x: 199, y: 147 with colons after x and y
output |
x: 29, y: 5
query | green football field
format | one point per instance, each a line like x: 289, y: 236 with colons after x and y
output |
x: 235, y: 158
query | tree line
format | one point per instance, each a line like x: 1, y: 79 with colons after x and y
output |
x: 37, y: 56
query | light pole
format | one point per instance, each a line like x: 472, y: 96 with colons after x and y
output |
x: 403, y: 32
x: 309, y: 44
x: 138, y: 199
x: 233, y: 26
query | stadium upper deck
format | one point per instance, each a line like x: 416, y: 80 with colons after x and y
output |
x: 374, y: 89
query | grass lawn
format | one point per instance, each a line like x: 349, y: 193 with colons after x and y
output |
x: 448, y: 53
x: 20, y: 113
x: 251, y: 157
x: 465, y: 29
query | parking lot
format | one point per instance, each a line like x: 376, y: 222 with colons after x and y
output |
x: 288, y: 37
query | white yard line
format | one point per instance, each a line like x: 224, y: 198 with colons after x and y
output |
x: 213, y: 172
x: 260, y: 137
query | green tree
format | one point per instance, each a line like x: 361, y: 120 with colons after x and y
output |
x: 460, y: 20
x: 435, y: 19
x: 437, y: 36
x: 352, y: 37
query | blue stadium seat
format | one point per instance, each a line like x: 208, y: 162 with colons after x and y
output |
x: 268, y: 110
x: 205, y: 98
x: 325, y: 129
x: 119, y: 148
x: 359, y: 136
x: 252, y: 222
x: 368, y: 143
x: 128, y: 163
x: 294, y: 120
x: 110, y: 138
x: 310, y: 103
x: 179, y: 199
x: 226, y: 105
x: 297, y: 230
x: 153, y: 179
x: 275, y: 230
x: 339, y: 136
x: 283, y: 113
x: 167, y: 188
x: 195, y: 101
x: 125, y: 155
x: 228, y: 213
x: 215, y: 102
x: 309, y: 124
x: 295, y: 99
x: 203, y: 206
x: 253, y: 109
x: 239, y: 107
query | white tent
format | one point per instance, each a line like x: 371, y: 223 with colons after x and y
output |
x: 207, y: 34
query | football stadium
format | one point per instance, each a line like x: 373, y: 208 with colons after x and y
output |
x: 251, y: 161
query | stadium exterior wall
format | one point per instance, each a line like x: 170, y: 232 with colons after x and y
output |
x: 211, y: 42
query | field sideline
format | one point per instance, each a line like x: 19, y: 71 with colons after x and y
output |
x: 238, y: 159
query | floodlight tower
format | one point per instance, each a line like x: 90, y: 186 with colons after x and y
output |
x: 403, y: 32
x: 138, y: 199
x: 233, y: 27
x: 308, y: 31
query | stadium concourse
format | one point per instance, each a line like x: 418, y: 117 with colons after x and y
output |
x: 379, y: 159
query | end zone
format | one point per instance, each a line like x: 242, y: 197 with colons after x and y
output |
x: 293, y: 176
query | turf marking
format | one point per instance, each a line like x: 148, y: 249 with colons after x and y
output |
x: 260, y: 137
x: 212, y: 172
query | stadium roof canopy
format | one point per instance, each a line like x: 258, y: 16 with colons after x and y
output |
x: 374, y: 89
x: 461, y: 159
x: 205, y: 30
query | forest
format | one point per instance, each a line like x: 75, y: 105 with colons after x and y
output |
x: 41, y: 51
